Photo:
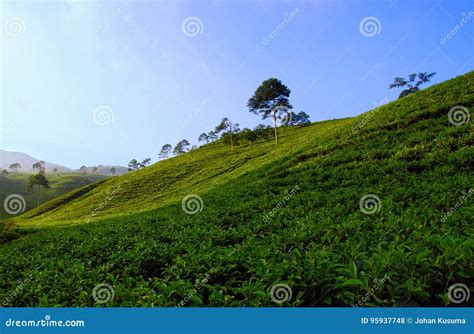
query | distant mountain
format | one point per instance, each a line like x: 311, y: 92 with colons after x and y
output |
x: 59, y: 184
x: 26, y: 161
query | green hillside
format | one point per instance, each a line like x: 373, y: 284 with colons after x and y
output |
x: 59, y: 184
x: 270, y: 214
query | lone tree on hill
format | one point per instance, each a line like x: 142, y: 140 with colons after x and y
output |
x: 83, y: 169
x: 145, y: 162
x: 38, y: 180
x: 181, y: 147
x: 204, y: 137
x: 14, y: 167
x: 133, y: 165
x: 229, y: 130
x: 112, y: 170
x: 410, y: 83
x: 165, y: 151
x: 38, y: 165
x: 271, y: 99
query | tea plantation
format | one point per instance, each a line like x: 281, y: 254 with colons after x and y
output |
x: 371, y: 210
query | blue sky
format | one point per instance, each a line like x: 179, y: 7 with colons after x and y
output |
x: 89, y: 82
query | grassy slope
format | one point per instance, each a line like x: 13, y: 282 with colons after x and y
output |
x: 318, y: 241
x: 60, y: 183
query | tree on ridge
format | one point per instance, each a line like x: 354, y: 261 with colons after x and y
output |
x: 271, y: 99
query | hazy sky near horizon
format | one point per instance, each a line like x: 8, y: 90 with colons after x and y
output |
x: 102, y: 82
